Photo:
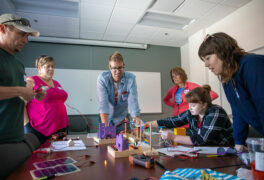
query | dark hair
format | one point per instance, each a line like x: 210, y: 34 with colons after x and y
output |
x: 226, y: 49
x: 178, y: 71
x: 42, y: 60
x: 199, y: 95
x: 9, y: 26
x: 116, y: 57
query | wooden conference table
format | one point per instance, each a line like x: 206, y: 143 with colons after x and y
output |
x: 120, y: 168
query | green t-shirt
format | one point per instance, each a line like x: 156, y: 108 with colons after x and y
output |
x: 12, y: 73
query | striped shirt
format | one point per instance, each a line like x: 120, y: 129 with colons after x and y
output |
x: 216, y: 128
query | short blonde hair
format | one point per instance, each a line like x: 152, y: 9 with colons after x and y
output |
x: 116, y: 57
x: 43, y: 59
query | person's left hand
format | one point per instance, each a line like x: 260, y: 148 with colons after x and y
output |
x: 167, y: 135
x: 240, y: 148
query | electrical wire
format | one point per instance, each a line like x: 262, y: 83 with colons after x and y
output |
x: 86, y: 120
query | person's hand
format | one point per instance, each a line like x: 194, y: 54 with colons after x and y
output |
x: 40, y: 95
x: 168, y: 135
x: 26, y: 94
x: 240, y: 148
x: 153, y: 124
x: 136, y: 120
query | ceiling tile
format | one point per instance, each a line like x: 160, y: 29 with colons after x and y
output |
x: 91, y: 35
x: 122, y: 28
x: 167, y: 5
x: 95, y: 26
x: 53, y: 25
x: 99, y: 2
x: 7, y: 7
x: 143, y: 31
x: 96, y: 12
x: 194, y: 9
x: 126, y: 15
x: 214, y: 1
x: 114, y: 37
x: 218, y: 12
x: 235, y: 3
x: 134, y: 4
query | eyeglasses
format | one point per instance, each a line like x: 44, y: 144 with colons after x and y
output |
x: 121, y: 68
x: 229, y: 151
x: 21, y: 21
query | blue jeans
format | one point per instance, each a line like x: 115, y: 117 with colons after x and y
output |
x: 42, y: 138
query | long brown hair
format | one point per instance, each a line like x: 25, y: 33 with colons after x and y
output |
x: 199, y: 95
x: 226, y: 49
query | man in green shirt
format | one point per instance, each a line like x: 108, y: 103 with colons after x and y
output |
x: 14, y: 146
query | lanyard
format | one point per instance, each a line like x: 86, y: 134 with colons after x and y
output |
x: 234, y: 87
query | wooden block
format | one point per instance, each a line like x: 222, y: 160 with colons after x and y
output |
x: 125, y: 153
x: 152, y: 152
x: 104, y: 141
x: 148, y: 151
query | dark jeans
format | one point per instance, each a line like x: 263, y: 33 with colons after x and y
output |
x: 42, y: 138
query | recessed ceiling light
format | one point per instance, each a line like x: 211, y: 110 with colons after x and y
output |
x: 165, y: 20
x: 65, y: 8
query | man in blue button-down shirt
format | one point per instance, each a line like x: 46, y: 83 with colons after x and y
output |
x: 116, y: 91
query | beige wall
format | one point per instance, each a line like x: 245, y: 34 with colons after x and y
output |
x: 246, y: 25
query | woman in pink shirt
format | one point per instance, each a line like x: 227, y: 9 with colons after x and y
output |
x: 175, y: 97
x: 48, y: 116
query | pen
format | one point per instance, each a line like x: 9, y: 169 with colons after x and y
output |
x: 213, y: 155
x: 46, y: 177
x: 195, y: 151
x: 161, y: 165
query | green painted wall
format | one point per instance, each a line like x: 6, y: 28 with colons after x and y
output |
x: 153, y: 59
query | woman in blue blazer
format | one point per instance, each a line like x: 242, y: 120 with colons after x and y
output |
x: 242, y: 77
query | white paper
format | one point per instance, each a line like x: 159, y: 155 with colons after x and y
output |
x: 207, y: 150
x: 91, y: 135
x: 63, y: 146
x: 172, y: 151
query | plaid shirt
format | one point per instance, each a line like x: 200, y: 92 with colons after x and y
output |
x: 216, y: 127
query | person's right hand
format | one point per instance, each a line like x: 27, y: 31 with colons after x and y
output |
x: 40, y: 95
x: 26, y: 94
x: 240, y: 148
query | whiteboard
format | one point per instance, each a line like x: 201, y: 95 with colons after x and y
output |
x: 81, y: 88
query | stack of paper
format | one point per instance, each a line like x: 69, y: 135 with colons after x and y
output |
x: 63, y: 146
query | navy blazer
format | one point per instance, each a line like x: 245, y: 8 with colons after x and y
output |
x: 245, y: 93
